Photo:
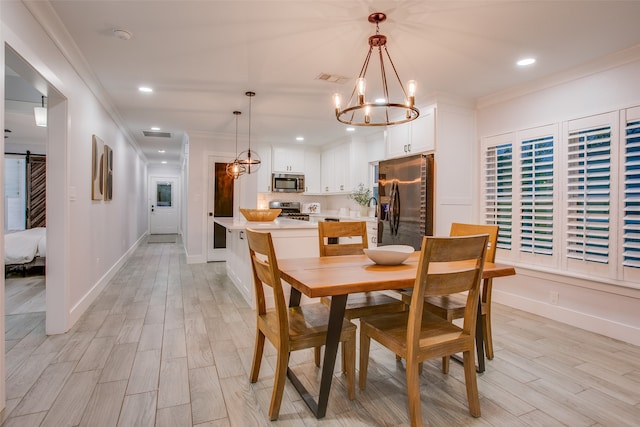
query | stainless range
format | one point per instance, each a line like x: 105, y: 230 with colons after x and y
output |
x: 290, y: 210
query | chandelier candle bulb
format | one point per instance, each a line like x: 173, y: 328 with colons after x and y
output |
x: 361, y: 83
x: 336, y: 100
x: 411, y: 89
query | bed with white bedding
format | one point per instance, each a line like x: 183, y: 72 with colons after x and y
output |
x: 25, y: 248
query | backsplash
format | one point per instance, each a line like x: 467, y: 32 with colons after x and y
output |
x: 330, y: 204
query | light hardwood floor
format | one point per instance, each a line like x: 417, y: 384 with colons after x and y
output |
x: 170, y: 344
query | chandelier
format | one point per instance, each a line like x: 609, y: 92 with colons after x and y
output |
x: 381, y: 111
x: 249, y: 159
x: 235, y: 169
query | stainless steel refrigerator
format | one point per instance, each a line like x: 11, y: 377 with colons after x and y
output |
x: 405, y: 192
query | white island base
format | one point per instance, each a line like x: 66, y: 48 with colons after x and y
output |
x: 291, y: 239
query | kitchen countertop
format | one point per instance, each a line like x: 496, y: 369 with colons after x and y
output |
x: 321, y: 216
x: 277, y: 224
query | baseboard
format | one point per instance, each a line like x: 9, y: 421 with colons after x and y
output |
x: 84, y: 303
x: 195, y: 259
x: 580, y: 320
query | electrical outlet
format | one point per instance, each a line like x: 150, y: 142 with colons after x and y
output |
x: 553, y: 297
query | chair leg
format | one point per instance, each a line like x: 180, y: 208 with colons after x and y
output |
x: 257, y: 356
x: 349, y: 365
x: 344, y: 358
x: 445, y: 364
x: 486, y: 330
x: 317, y: 355
x: 470, y: 382
x: 445, y: 359
x: 413, y: 393
x: 365, y: 342
x: 278, y: 383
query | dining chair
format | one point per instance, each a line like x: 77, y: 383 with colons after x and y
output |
x: 289, y: 328
x: 452, y: 307
x: 418, y: 335
x: 358, y: 304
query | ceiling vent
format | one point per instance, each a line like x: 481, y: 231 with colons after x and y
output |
x: 332, y: 78
x: 156, y: 134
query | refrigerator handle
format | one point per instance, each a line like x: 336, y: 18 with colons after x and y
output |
x: 396, y: 209
x: 390, y: 208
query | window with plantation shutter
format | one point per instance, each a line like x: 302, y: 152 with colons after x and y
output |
x: 631, y: 232
x: 537, y: 195
x: 498, y: 191
x: 589, y: 194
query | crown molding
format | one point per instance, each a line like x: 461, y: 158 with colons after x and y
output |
x: 46, y: 16
x: 607, y: 62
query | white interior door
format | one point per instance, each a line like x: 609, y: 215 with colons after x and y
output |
x: 164, y: 207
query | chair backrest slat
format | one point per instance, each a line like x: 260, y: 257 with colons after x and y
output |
x: 354, y: 229
x: 460, y: 229
x: 264, y: 266
x: 469, y: 254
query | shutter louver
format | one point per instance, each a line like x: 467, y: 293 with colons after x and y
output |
x: 631, y: 245
x: 536, y: 196
x: 588, y: 194
x: 499, y: 191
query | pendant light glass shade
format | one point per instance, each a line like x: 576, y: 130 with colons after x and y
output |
x: 250, y: 159
x: 235, y: 169
x: 41, y: 115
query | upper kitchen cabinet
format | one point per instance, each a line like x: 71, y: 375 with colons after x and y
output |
x: 312, y: 167
x: 287, y: 159
x: 344, y: 166
x: 414, y: 137
x: 264, y: 173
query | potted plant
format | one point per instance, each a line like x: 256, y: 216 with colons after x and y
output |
x: 362, y: 195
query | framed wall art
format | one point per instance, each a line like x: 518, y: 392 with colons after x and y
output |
x: 108, y: 173
x: 97, y: 168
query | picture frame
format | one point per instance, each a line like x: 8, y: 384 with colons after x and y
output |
x: 97, y: 168
x: 108, y: 173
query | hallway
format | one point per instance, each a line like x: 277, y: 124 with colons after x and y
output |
x: 170, y: 344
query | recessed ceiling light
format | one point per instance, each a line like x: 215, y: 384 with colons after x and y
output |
x: 526, y: 61
x: 155, y: 128
x: 122, y: 34
x: 380, y: 101
x: 145, y: 89
x: 161, y: 151
x: 164, y: 162
x: 299, y: 138
x: 351, y: 129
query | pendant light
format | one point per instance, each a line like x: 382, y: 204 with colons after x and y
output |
x: 383, y: 111
x: 41, y: 115
x: 235, y: 169
x: 250, y: 159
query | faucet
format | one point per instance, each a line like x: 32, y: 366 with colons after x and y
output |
x: 376, y: 204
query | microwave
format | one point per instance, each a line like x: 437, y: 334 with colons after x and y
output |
x: 287, y: 183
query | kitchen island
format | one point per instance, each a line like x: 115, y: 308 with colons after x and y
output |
x: 291, y: 239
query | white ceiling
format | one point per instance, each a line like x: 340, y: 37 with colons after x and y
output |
x: 200, y: 57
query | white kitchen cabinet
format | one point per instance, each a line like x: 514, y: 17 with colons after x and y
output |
x: 287, y: 159
x: 372, y: 233
x: 312, y: 171
x: 264, y: 173
x: 344, y: 166
x: 414, y: 137
x: 238, y: 261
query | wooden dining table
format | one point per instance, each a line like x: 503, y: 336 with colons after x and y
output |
x: 339, y: 276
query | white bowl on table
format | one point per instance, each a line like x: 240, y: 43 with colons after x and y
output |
x: 390, y: 254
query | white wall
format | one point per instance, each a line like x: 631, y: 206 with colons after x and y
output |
x: 91, y: 239
x: 201, y: 146
x: 605, y: 308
